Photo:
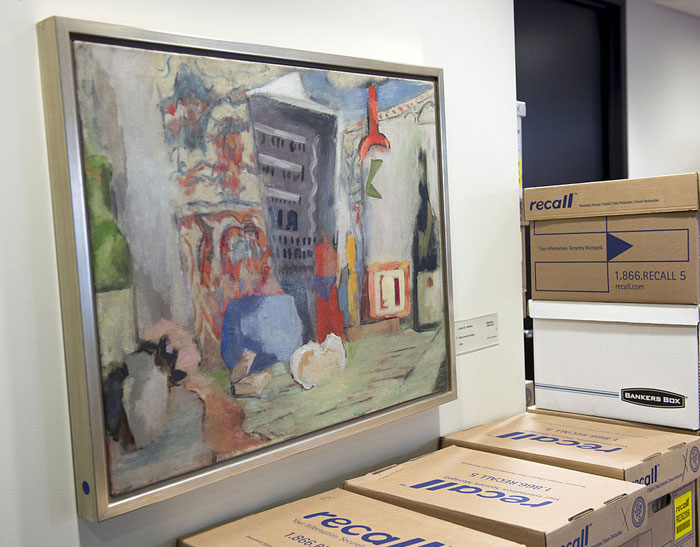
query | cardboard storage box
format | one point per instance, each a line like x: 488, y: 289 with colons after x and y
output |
x: 661, y: 460
x: 532, y: 503
x: 630, y: 240
x: 645, y: 540
x: 669, y: 525
x: 341, y: 518
x: 635, y: 362
x: 668, y: 464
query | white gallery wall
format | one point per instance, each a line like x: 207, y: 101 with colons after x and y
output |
x: 663, y: 90
x: 471, y: 39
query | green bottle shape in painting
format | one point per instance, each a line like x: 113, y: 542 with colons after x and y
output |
x: 112, y: 268
x: 427, y: 282
x: 111, y: 260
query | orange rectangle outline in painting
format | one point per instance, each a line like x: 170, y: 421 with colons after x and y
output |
x: 375, y: 269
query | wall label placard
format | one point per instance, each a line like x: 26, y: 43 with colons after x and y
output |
x: 477, y: 333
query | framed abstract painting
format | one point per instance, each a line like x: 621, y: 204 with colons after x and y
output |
x: 253, y: 252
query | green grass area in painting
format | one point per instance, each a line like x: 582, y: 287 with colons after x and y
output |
x: 220, y: 377
x: 381, y: 371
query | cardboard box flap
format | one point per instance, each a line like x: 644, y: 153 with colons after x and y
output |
x: 651, y: 314
x: 397, y: 467
x: 615, y: 499
x: 613, y: 197
x: 591, y: 510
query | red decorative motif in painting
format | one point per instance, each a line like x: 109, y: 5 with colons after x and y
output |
x: 225, y: 256
x: 329, y: 317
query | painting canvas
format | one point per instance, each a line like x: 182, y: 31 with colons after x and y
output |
x: 266, y: 246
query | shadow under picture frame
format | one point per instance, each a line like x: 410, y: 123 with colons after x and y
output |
x: 253, y: 252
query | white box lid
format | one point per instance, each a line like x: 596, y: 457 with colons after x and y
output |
x: 654, y: 314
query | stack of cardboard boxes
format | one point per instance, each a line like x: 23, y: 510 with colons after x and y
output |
x: 666, y: 463
x: 615, y: 288
x: 532, y: 479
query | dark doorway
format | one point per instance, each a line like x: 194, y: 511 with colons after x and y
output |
x: 570, y: 72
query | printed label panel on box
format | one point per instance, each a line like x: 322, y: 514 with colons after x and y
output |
x: 593, y: 254
x: 683, y: 515
x: 571, y: 276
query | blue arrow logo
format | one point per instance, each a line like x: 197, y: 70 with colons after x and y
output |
x: 615, y: 246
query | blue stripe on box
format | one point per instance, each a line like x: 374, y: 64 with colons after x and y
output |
x: 579, y: 390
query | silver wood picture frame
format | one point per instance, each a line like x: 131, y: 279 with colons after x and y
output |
x: 253, y: 252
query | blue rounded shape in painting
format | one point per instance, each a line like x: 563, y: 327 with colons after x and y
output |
x: 86, y: 488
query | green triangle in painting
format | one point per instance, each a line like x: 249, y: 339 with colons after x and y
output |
x: 370, y: 190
